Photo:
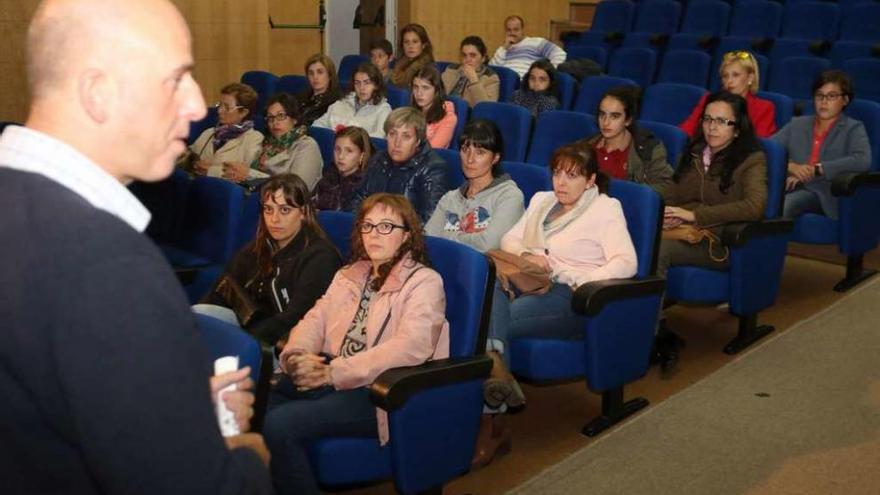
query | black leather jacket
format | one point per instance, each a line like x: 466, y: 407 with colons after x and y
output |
x: 422, y: 180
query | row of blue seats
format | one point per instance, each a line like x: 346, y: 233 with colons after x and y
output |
x: 812, y: 20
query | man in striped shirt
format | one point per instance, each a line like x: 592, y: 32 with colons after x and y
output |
x: 519, y: 52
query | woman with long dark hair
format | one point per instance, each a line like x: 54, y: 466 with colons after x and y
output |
x: 384, y: 310
x: 283, y: 271
x: 324, y: 88
x: 429, y: 96
x: 539, y: 89
x: 365, y: 107
x: 414, y: 51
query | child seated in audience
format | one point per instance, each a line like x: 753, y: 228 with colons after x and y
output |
x: 821, y: 147
x: 624, y: 150
x: 381, y: 55
x: 365, y: 107
x: 414, y: 52
x: 351, y: 153
x: 472, y: 80
x: 324, y: 88
x: 429, y: 96
x: 387, y: 309
x: 282, y: 272
x: 539, y: 89
x: 489, y: 203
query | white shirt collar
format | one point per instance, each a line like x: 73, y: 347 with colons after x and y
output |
x: 32, y: 151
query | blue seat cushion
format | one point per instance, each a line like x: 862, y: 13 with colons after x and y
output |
x: 812, y: 228
x: 345, y: 461
x: 183, y: 259
x: 547, y: 359
x: 695, y: 284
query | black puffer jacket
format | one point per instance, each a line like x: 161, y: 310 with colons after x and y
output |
x: 300, y: 276
x: 422, y: 180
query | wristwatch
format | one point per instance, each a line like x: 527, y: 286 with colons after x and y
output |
x: 819, y: 171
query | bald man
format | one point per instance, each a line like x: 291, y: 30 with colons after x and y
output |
x: 102, y: 375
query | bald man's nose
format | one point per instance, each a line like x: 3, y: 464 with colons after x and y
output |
x: 194, y: 102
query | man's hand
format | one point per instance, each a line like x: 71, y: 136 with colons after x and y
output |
x: 509, y: 41
x: 253, y: 441
x: 239, y: 401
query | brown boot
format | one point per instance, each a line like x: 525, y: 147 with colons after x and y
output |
x: 501, y: 386
x: 492, y: 441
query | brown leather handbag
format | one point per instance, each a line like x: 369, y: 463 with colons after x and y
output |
x: 694, y: 235
x: 519, y: 276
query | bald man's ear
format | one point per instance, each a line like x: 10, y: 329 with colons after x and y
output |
x: 95, y: 91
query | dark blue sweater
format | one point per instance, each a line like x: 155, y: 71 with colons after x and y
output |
x: 102, y: 374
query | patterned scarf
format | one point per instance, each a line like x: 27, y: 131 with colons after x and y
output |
x: 538, y: 229
x: 274, y: 145
x: 462, y: 82
x: 227, y: 132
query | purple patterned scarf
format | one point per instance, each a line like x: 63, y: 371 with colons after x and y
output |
x: 226, y: 132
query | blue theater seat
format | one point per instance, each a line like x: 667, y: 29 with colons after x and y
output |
x: 592, y: 90
x: 264, y: 84
x: 514, y: 122
x: 756, y: 19
x: 670, y: 103
x: 635, y: 63
x: 674, y: 139
x: 347, y: 66
x: 530, y: 178
x: 557, y: 128
x: 685, y: 67
x: 509, y: 82
x: 292, y: 84
x: 811, y: 20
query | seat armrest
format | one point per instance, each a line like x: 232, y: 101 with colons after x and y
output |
x: 394, y: 387
x: 590, y: 298
x: 845, y: 184
x: 739, y: 233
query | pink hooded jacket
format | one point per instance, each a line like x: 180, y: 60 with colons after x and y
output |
x: 417, y: 330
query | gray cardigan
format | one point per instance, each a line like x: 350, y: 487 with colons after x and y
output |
x: 846, y: 149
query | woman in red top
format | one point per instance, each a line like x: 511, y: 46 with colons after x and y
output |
x: 739, y: 75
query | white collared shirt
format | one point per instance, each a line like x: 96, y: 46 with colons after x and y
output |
x: 32, y: 151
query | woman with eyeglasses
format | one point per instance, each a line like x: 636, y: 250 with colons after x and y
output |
x: 324, y: 89
x: 624, y: 150
x: 233, y: 139
x: 821, y: 147
x: 287, y: 150
x: 740, y: 76
x: 282, y: 272
x: 365, y: 107
x: 384, y: 310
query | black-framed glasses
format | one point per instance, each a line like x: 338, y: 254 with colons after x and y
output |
x: 720, y: 121
x: 383, y: 228
x: 280, y: 117
x: 827, y: 96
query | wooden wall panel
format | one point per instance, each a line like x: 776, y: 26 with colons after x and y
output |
x: 14, y: 18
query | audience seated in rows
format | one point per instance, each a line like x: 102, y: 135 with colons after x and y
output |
x: 821, y: 147
x: 429, y: 96
x: 414, y: 53
x: 282, y: 272
x: 539, y: 90
x: 351, y: 154
x: 324, y: 88
x: 623, y: 150
x: 472, y: 80
x: 287, y: 148
x: 739, y: 75
x: 489, y: 203
x: 399, y: 306
x: 519, y: 52
x: 381, y: 55
x: 724, y: 181
x: 365, y: 107
x: 409, y: 166
x: 234, y: 139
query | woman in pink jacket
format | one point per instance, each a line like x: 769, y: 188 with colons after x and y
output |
x: 384, y: 310
x: 429, y: 96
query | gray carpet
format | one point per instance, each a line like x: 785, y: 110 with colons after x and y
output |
x: 799, y: 414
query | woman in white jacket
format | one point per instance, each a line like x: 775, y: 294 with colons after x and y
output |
x: 365, y: 107
x: 233, y: 139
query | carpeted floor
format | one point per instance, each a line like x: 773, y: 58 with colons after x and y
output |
x: 800, y: 414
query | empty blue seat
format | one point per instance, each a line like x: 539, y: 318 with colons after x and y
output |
x: 453, y: 167
x: 530, y: 178
x: 567, y: 90
x: 861, y: 22
x: 670, y: 103
x: 397, y: 97
x: 347, y: 66
x: 792, y: 47
x: 263, y: 83
x: 842, y: 51
x: 756, y: 19
x: 441, y: 65
x: 326, y: 139
x: 783, y: 106
x: 595, y: 53
x: 508, y: 82
x: 592, y: 89
x: 462, y: 113
x: 633, y: 63
x: 338, y: 226
x: 686, y: 67
x: 657, y: 17
x: 613, y: 16
x: 557, y: 128
x: 811, y: 20
x: 293, y: 84
x: 794, y: 76
x: 690, y: 41
x: 709, y: 18
x: 674, y: 139
x: 514, y: 122
x: 865, y: 76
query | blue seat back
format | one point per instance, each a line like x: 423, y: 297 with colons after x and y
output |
x: 567, y: 89
x: 326, y: 139
x: 643, y: 209
x: 868, y: 112
x: 166, y: 201
x: 530, y: 178
x: 708, y: 17
x: 556, y: 128
x: 657, y: 16
x: 592, y: 90
x: 347, y: 66
x: 462, y: 112
x: 865, y: 76
x: 250, y: 219
x: 264, y: 84
x: 442, y: 65
x: 674, y: 139
x: 782, y: 104
x: 686, y: 67
x: 777, y: 169
x: 842, y: 51
x: 800, y: 87
x: 339, y: 226
x: 756, y: 19
x: 514, y: 122
x: 792, y: 47
x: 453, y: 167
x: 223, y: 339
x: 198, y: 127
x: 670, y: 103
x: 397, y: 96
x: 292, y: 84
x: 466, y: 277
x: 636, y: 63
x: 690, y: 41
x: 861, y: 22
x: 595, y: 53
x: 509, y: 82
x: 613, y: 16
x: 379, y: 144
x: 213, y: 213
x: 811, y: 20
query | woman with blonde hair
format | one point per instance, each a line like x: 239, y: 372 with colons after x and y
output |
x: 415, y: 51
x: 740, y: 76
